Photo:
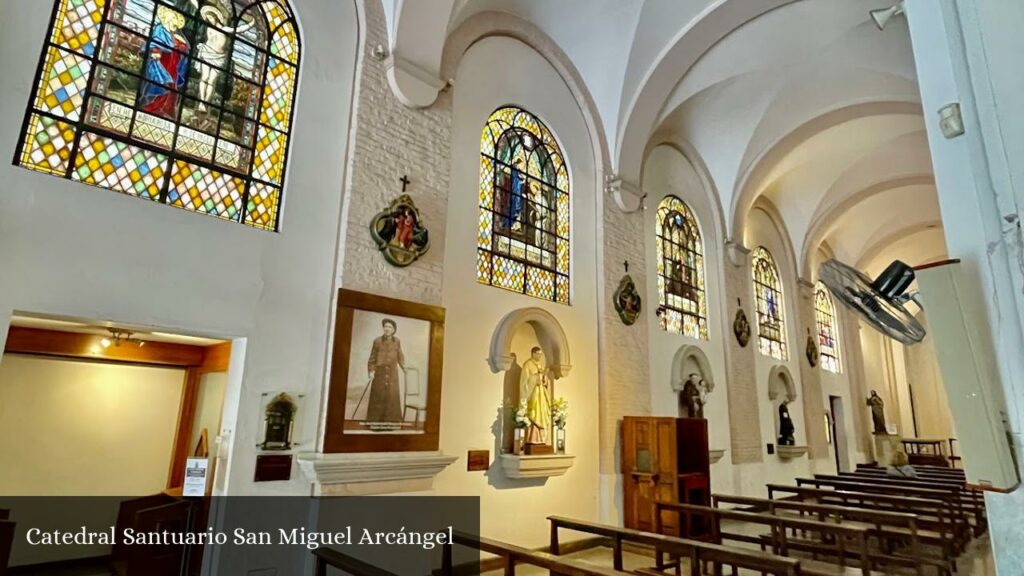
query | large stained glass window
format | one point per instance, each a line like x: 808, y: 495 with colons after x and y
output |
x: 182, y: 102
x: 682, y: 307
x: 828, y: 331
x: 771, y: 313
x: 523, y: 240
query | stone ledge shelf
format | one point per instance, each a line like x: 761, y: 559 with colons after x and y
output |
x: 790, y: 452
x: 541, y: 466
x: 715, y: 455
x: 360, y: 474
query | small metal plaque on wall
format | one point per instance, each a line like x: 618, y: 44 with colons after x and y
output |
x: 273, y: 467
x: 477, y: 460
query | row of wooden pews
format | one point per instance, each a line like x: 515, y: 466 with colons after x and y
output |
x: 858, y: 523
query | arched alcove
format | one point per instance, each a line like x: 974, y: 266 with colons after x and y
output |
x: 688, y: 360
x: 781, y: 384
x: 550, y: 336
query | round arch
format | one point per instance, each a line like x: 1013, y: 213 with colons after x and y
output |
x: 641, y: 109
x: 549, y: 332
x: 489, y: 24
x: 781, y: 384
x: 823, y: 219
x: 747, y: 189
x: 690, y: 359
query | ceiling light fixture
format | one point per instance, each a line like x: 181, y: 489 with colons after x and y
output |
x: 117, y: 336
x: 883, y: 15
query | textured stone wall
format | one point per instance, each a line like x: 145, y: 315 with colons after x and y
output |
x: 625, y: 370
x: 741, y: 375
x: 810, y: 378
x: 391, y: 140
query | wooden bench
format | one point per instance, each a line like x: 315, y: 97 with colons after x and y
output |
x: 698, y: 552
x: 891, y: 530
x: 973, y: 501
x: 953, y: 504
x: 934, y: 523
x: 829, y: 539
x: 513, y: 556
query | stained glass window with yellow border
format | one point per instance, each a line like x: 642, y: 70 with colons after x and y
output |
x: 183, y: 102
x: 771, y: 312
x: 682, y: 302
x: 828, y: 330
x: 524, y: 228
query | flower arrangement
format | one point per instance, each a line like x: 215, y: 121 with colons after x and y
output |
x: 520, y: 418
x: 560, y: 413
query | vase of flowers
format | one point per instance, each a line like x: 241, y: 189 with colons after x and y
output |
x: 559, y: 417
x: 520, y: 422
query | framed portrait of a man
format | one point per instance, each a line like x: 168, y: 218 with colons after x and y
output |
x: 385, y: 383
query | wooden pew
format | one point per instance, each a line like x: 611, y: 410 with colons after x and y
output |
x: 698, y: 552
x: 827, y: 538
x: 925, y: 470
x: 890, y: 529
x: 931, y: 515
x: 513, y: 556
x: 954, y: 505
x: 973, y: 501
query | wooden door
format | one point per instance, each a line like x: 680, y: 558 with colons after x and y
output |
x: 648, y: 470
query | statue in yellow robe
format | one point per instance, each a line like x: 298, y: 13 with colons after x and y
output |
x: 534, y: 386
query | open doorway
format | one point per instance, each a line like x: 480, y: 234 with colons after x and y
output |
x: 838, y: 424
x: 112, y: 411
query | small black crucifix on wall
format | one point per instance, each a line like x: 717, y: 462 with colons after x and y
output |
x: 398, y: 230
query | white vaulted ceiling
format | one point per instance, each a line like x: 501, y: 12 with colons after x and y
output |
x: 803, y: 103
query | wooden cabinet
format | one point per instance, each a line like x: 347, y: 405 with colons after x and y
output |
x: 664, y: 459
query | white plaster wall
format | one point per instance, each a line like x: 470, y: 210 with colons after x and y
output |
x: 762, y: 231
x: 930, y: 403
x: 72, y: 428
x: 74, y: 250
x: 515, y: 510
x: 839, y: 385
x: 668, y: 172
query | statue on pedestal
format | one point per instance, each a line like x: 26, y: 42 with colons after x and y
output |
x: 693, y: 396
x: 786, y: 428
x: 877, y: 413
x: 535, y: 387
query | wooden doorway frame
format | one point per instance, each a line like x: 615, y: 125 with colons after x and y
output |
x: 195, y: 360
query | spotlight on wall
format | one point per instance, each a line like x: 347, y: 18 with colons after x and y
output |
x: 105, y: 342
x: 883, y: 15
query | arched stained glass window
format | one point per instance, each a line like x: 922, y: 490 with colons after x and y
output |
x: 771, y: 313
x: 183, y: 102
x: 523, y: 239
x: 682, y: 305
x: 828, y: 330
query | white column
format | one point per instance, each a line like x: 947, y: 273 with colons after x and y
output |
x: 969, y: 51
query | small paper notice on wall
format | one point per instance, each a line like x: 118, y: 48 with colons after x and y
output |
x: 195, y: 477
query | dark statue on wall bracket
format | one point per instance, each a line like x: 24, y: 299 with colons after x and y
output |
x: 740, y: 326
x: 812, y: 350
x: 399, y: 232
x: 627, y: 300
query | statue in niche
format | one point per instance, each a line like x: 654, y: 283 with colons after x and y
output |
x: 694, y: 396
x: 877, y: 406
x: 786, y: 428
x: 535, y: 387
